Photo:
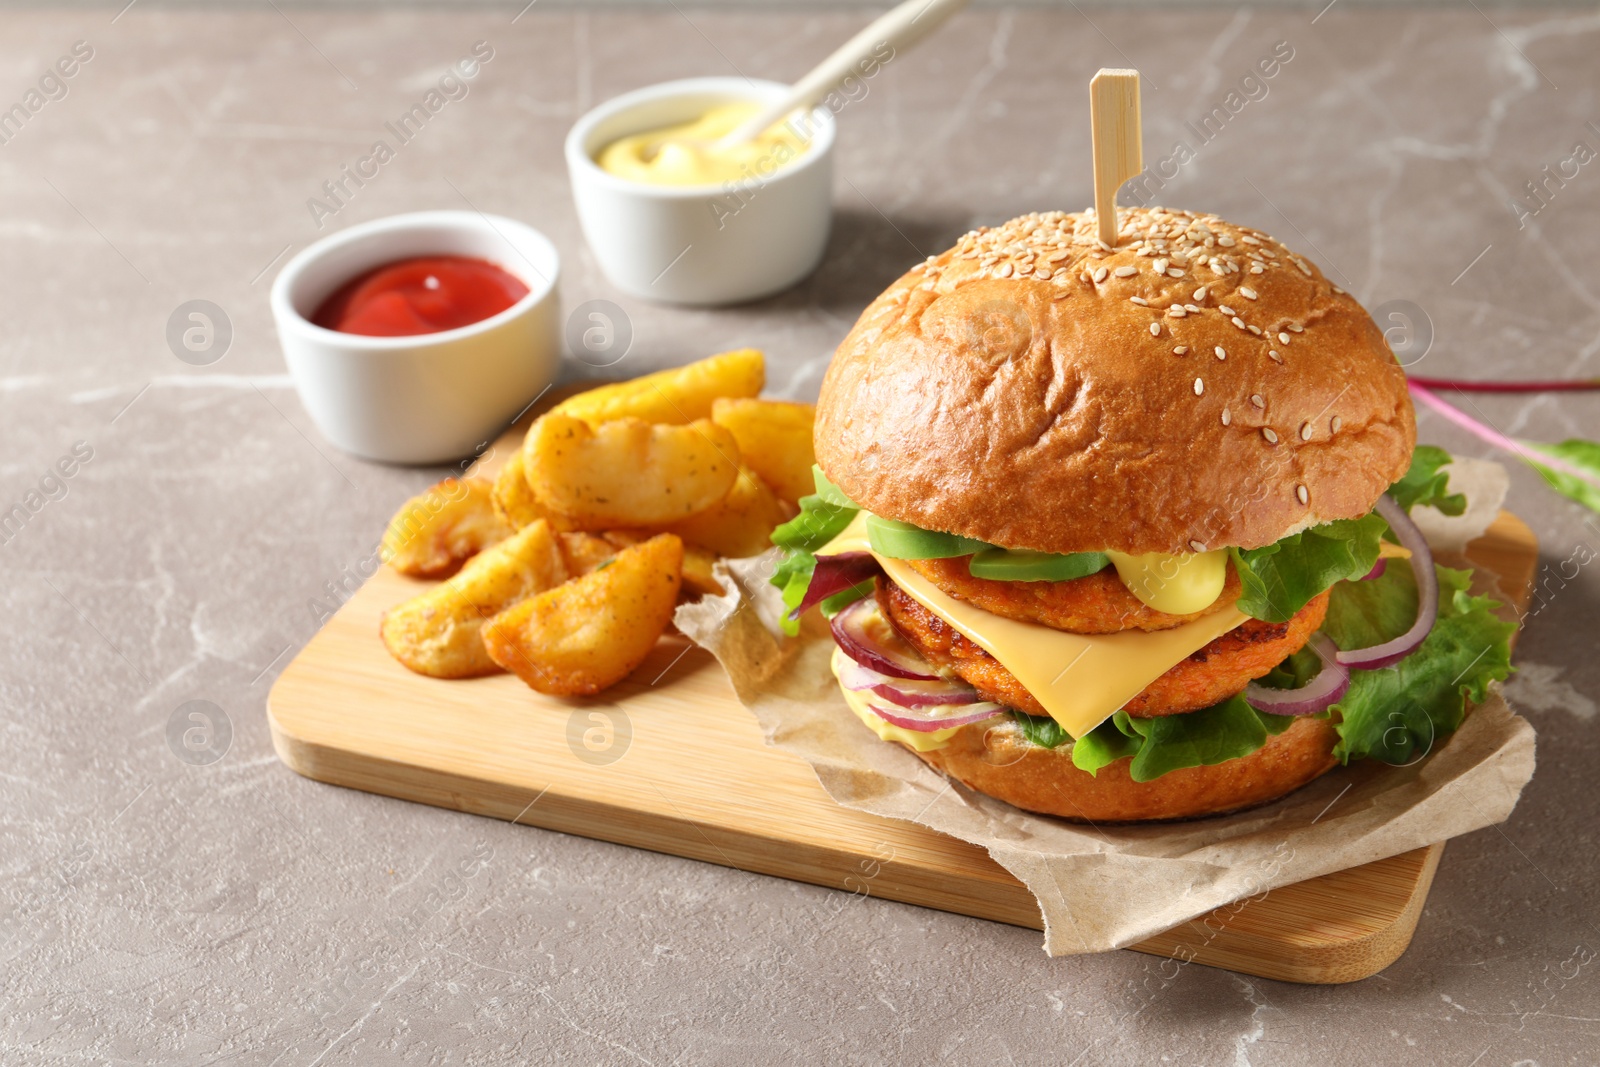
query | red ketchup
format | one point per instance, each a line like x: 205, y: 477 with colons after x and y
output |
x: 422, y: 295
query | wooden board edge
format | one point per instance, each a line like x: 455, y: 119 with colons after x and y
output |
x: 1331, y: 963
x: 1005, y: 901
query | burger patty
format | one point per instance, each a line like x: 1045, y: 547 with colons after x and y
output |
x: 1097, y: 604
x: 1212, y: 674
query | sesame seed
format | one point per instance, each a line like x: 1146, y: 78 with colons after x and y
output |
x: 1222, y: 353
x: 1248, y: 294
x: 1225, y: 241
x: 1126, y: 272
x: 1237, y: 321
x: 1174, y: 272
x: 1258, y: 269
x: 1141, y: 301
x: 1226, y: 310
x: 1283, y: 338
x: 1005, y: 270
x: 1255, y: 398
x: 1303, y: 268
x: 1155, y: 329
x: 1305, y: 432
x: 1273, y: 352
x: 1335, y: 424
x: 1249, y: 240
x: 1301, y: 494
x: 1193, y: 309
x: 1176, y: 311
x: 1226, y: 417
x: 1180, y: 350
x: 1161, y: 266
x: 1199, y: 387
x: 1270, y: 434
x: 1100, y: 275
x: 1200, y: 293
x: 1197, y: 546
x: 1296, y: 328
x: 1057, y: 257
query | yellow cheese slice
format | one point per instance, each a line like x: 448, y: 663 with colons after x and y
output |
x: 1080, y: 679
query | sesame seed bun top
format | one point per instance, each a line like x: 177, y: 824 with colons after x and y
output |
x: 1197, y: 386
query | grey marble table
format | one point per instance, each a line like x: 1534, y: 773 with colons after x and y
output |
x: 160, y: 911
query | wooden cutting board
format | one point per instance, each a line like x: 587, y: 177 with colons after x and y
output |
x: 670, y: 761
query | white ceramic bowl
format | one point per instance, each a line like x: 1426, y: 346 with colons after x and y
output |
x: 432, y: 397
x: 700, y: 244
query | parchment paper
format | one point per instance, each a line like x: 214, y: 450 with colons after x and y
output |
x: 1107, y: 887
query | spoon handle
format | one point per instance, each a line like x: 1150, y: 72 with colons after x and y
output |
x: 899, y: 28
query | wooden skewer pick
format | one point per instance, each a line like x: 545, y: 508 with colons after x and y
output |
x: 1118, y: 142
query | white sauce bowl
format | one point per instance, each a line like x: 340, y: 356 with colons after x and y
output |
x: 701, y: 244
x: 428, y: 398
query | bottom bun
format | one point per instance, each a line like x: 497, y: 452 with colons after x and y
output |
x: 1000, y: 761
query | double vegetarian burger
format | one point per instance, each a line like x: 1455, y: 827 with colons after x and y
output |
x: 1121, y: 533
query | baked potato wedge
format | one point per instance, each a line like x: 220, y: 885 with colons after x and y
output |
x: 514, y: 501
x: 678, y: 396
x: 439, y: 632
x: 590, y: 633
x: 435, y: 532
x: 697, y: 577
x: 586, y: 551
x: 628, y: 472
x: 774, y: 439
x: 697, y: 562
x: 741, y: 523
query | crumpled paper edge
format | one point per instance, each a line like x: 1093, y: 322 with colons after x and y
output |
x: 1106, y: 887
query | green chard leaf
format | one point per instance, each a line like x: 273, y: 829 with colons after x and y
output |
x: 1426, y: 485
x: 1042, y: 730
x: 1579, y: 454
x: 818, y: 523
x: 1397, y: 714
x: 1282, y: 578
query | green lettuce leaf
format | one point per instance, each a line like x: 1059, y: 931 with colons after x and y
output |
x: 1574, y: 452
x: 1281, y: 578
x: 1398, y: 713
x: 1425, y: 485
x: 1167, y: 743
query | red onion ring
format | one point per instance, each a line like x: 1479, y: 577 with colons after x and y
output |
x: 1391, y: 652
x: 1377, y: 571
x: 906, y: 692
x: 835, y: 574
x: 923, y: 721
x: 1316, y: 695
x: 866, y: 637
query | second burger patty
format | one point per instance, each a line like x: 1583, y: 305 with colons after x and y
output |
x: 1212, y: 674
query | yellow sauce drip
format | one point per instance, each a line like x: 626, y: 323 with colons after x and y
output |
x: 1176, y: 584
x: 684, y: 154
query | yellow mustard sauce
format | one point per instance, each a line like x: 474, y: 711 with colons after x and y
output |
x: 686, y: 154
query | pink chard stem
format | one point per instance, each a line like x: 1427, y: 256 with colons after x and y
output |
x: 1574, y: 385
